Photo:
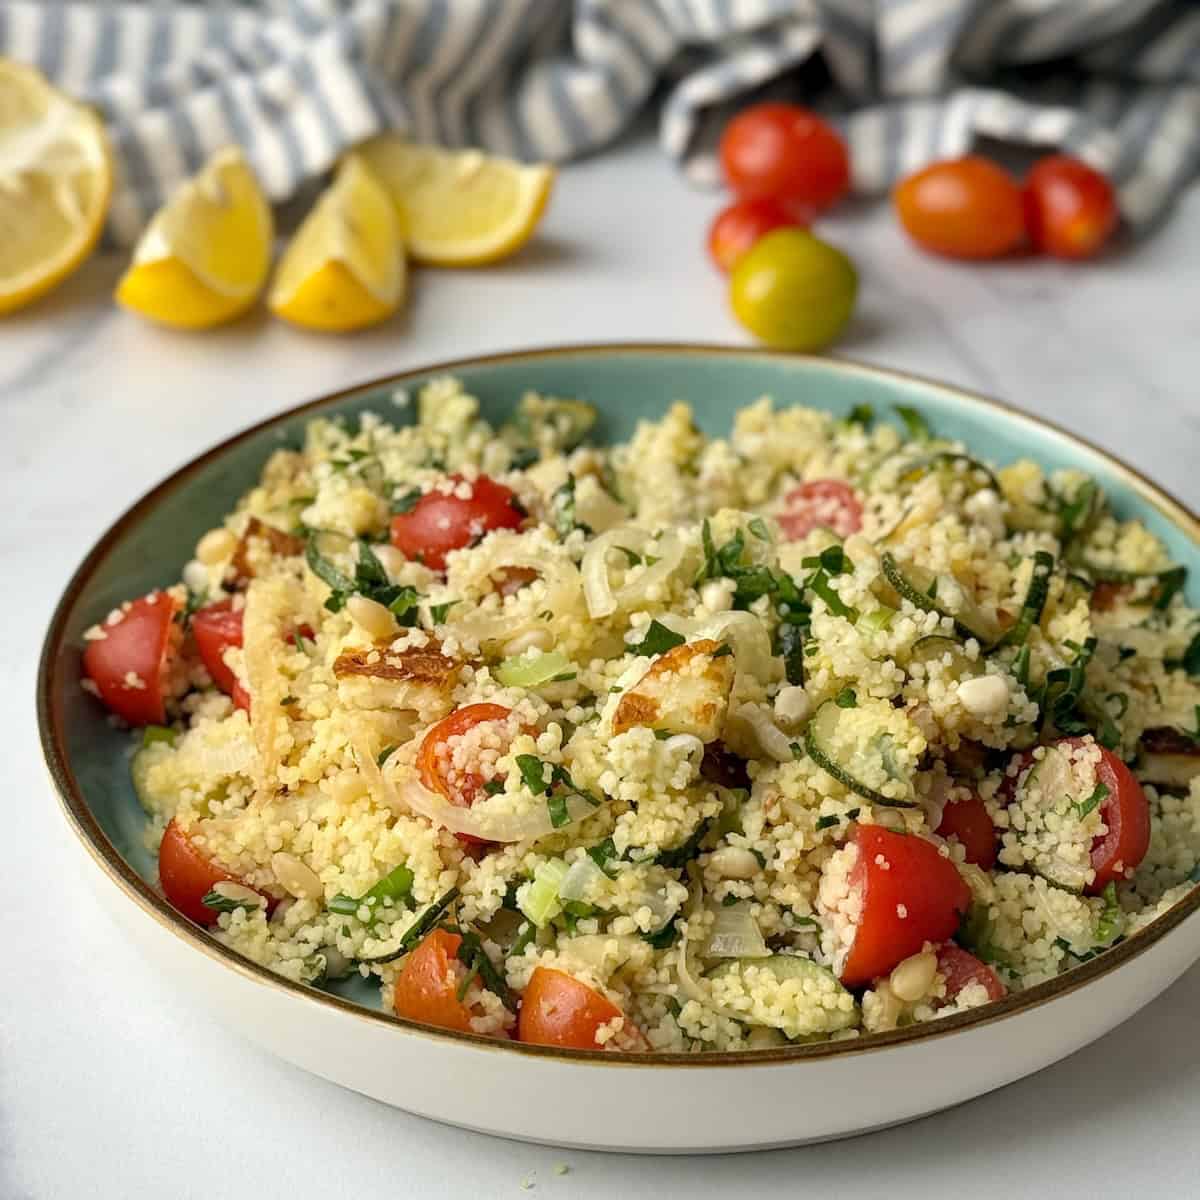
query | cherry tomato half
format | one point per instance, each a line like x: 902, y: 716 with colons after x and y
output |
x: 440, y: 522
x: 1070, y: 208
x: 793, y: 291
x: 969, y: 822
x: 1126, y: 813
x: 737, y: 227
x: 558, y: 1010
x: 460, y: 787
x: 131, y: 663
x: 910, y: 894
x: 960, y: 969
x: 216, y: 627
x: 786, y: 153
x: 827, y: 503
x: 187, y: 875
x: 962, y: 208
x: 427, y: 985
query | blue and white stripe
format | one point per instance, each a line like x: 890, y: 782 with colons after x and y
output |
x: 296, y: 82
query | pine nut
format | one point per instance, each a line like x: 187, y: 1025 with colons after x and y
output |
x: 195, y: 576
x: 734, y: 862
x: 791, y: 706
x: 984, y: 696
x: 215, y: 546
x: 391, y: 559
x: 912, y: 978
x: 371, y: 617
x: 238, y: 893
x: 296, y: 878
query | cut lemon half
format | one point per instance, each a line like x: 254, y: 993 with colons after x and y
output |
x: 205, y: 256
x: 55, y: 182
x: 459, y: 208
x: 344, y: 268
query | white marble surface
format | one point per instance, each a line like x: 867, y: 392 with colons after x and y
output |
x: 111, y: 1086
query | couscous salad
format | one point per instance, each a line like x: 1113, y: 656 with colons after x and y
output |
x: 689, y: 743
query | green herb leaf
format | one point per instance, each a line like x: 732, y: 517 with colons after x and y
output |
x: 525, y: 935
x: 382, y: 756
x: 1084, y: 807
x: 533, y: 772
x: 427, y: 921
x: 437, y: 612
x: 556, y: 805
x: 632, y: 555
x: 493, y: 787
x: 846, y: 698
x: 657, y: 639
x: 406, y: 501
x: 524, y: 457
x: 1112, y: 919
x: 914, y: 423
x: 861, y: 414
x: 665, y: 937
x: 562, y: 504
x: 153, y: 734
x: 683, y: 854
x: 758, y: 527
x: 223, y: 904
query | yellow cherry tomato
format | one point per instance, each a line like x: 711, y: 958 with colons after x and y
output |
x: 793, y: 291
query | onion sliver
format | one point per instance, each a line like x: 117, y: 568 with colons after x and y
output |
x: 745, y: 632
x: 735, y: 934
x: 602, y: 600
x: 490, y: 826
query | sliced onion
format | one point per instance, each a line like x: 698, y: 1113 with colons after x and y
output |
x: 559, y: 574
x: 377, y: 785
x: 478, y: 822
x: 735, y: 934
x: 602, y: 600
x: 593, y: 949
x: 770, y: 738
x: 687, y: 981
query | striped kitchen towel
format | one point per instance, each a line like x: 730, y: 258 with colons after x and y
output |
x: 295, y: 82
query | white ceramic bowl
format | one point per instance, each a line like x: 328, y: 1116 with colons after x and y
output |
x: 650, y: 1103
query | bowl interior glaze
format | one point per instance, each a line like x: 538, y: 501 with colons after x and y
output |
x: 150, y: 544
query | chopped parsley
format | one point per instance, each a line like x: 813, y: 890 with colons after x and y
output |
x: 1111, y: 918
x: 426, y: 922
x: 846, y: 698
x: 382, y: 756
x: 405, y: 502
x: 562, y: 505
x: 225, y: 904
x: 657, y: 639
x: 862, y: 415
x: 558, y: 789
x: 394, y: 888
x: 369, y: 580
x: 437, y: 612
x: 1084, y: 807
x: 914, y: 423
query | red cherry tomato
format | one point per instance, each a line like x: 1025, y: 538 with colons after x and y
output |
x: 187, y: 875
x: 786, y: 153
x: 216, y: 627
x: 910, y: 894
x: 131, y: 663
x: 558, y: 1010
x: 433, y: 759
x: 962, y: 208
x: 441, y: 522
x: 1070, y: 208
x: 427, y: 985
x: 960, y: 968
x: 1126, y: 813
x: 822, y: 502
x: 968, y: 821
x: 737, y: 227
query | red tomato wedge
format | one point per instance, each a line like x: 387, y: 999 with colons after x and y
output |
x: 968, y: 821
x: 1126, y: 812
x: 558, y: 1010
x: 827, y: 503
x: 440, y: 522
x: 910, y: 894
x: 427, y: 985
x: 959, y: 968
x: 216, y: 627
x: 187, y: 875
x: 131, y: 663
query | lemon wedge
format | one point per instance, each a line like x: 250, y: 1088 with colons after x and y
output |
x: 55, y: 182
x: 205, y: 256
x: 344, y: 268
x: 459, y: 208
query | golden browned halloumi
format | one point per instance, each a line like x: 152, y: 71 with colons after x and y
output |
x: 685, y: 690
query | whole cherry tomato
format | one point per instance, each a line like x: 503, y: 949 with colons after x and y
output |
x: 1070, y: 209
x: 785, y: 153
x: 793, y: 291
x: 962, y: 208
x: 740, y: 225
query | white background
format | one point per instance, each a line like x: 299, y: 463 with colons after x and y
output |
x: 112, y: 1085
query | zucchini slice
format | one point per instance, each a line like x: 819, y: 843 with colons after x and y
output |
x: 1167, y: 581
x: 814, y: 979
x: 933, y: 647
x: 920, y: 587
x: 1052, y: 775
x: 1035, y: 600
x: 946, y: 463
x: 849, y: 761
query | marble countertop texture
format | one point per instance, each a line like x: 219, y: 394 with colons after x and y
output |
x: 112, y: 1085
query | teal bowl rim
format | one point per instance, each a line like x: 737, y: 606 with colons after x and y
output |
x: 119, y: 872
